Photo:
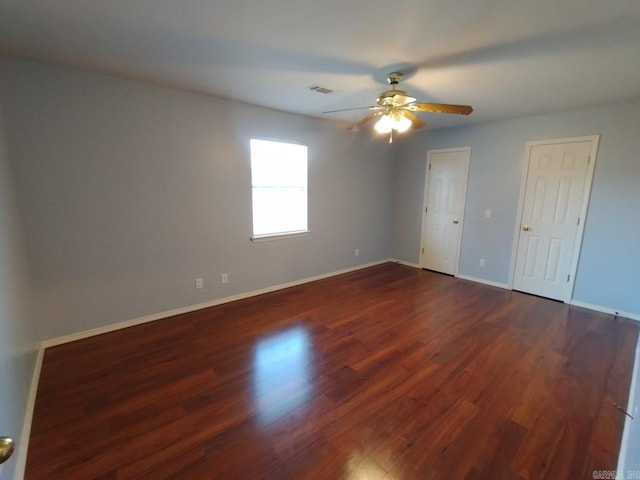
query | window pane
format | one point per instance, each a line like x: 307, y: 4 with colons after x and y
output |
x: 279, y: 180
x: 278, y: 210
x: 278, y: 164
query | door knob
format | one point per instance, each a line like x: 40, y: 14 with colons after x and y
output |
x: 6, y: 449
x: 525, y: 228
x: 455, y: 220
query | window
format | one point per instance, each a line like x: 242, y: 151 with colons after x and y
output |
x: 279, y: 188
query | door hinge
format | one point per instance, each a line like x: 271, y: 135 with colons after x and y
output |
x: 426, y: 209
x: 423, y: 250
x: 588, y: 159
x: 578, y: 220
x: 429, y: 167
x: 568, y: 277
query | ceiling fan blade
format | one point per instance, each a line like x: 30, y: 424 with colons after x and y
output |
x: 440, y: 108
x: 416, y: 122
x: 365, y: 120
x: 371, y: 107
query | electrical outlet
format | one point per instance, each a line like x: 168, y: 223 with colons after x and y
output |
x: 357, y: 252
x: 199, y: 283
x: 482, y: 262
x: 224, y: 278
x: 487, y: 213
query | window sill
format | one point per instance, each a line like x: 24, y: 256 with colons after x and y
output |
x: 278, y: 236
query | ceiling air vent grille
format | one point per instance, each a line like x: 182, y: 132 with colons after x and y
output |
x: 319, y: 89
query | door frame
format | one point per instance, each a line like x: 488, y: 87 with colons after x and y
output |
x: 425, y: 198
x: 584, y: 205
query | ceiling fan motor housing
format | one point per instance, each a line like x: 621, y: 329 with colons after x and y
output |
x: 394, y: 78
x: 394, y: 97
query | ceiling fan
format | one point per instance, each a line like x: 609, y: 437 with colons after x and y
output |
x: 396, y: 110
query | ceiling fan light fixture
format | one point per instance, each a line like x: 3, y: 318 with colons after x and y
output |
x: 396, y: 109
x: 393, y: 121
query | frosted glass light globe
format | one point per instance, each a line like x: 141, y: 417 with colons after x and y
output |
x: 384, y: 125
x: 401, y: 123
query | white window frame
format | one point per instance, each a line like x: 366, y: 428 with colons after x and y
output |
x: 277, y: 234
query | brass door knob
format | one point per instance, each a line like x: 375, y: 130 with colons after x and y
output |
x: 6, y: 448
x: 525, y: 228
x: 455, y: 220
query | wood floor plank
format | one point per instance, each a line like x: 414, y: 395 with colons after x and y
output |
x: 387, y: 373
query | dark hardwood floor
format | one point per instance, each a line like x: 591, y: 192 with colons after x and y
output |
x: 386, y: 373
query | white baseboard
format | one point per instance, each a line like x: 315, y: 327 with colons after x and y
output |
x: 21, y: 458
x: 407, y: 264
x: 610, y: 311
x: 632, y: 408
x: 462, y: 277
x: 482, y: 280
x: 191, y: 308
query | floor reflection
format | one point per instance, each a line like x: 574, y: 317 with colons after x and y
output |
x: 363, y: 467
x: 281, y: 369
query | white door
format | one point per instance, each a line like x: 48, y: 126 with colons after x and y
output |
x: 558, y: 177
x: 445, y: 195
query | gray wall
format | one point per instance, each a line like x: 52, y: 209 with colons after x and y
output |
x: 609, y: 265
x: 17, y: 346
x: 130, y: 191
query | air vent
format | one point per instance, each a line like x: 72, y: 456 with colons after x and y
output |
x: 319, y: 89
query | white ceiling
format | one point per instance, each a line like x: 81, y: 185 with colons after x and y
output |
x: 507, y: 58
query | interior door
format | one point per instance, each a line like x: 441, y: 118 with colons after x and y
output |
x: 555, y: 184
x: 445, y: 196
